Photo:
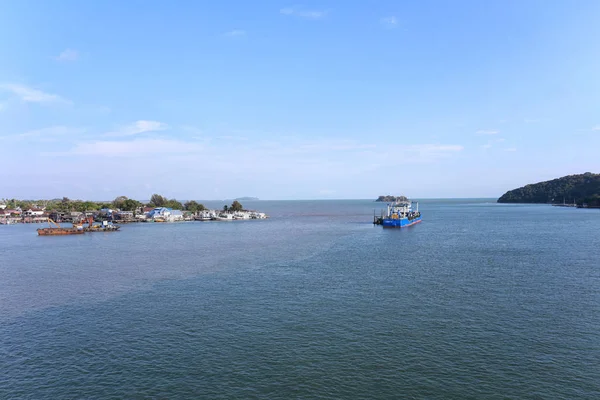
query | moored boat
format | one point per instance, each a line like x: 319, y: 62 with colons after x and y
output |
x: 104, y: 227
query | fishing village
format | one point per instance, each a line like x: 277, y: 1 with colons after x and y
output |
x: 86, y: 216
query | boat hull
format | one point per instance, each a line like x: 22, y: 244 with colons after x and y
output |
x: 102, y: 229
x: 59, y: 231
x: 399, y: 222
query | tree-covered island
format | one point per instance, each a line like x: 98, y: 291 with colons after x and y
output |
x: 582, y: 189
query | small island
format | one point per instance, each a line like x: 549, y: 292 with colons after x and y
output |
x: 582, y: 190
x: 246, y: 199
x: 391, y: 199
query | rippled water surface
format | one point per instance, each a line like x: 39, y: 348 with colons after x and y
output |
x: 479, y: 301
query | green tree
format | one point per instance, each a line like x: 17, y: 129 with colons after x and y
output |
x: 119, y: 201
x: 157, y: 200
x: 91, y: 206
x: 174, y: 204
x: 130, y: 205
x: 236, y: 206
x: 193, y: 206
x: 225, y: 208
x: 77, y: 205
x: 65, y: 204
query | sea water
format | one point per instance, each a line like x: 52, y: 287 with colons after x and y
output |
x: 480, y: 300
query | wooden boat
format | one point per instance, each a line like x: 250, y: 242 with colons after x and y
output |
x: 104, y: 227
x: 58, y: 230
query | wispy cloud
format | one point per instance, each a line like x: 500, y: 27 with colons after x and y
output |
x: 67, y: 55
x: 31, y: 95
x: 487, y: 132
x: 316, y: 152
x: 235, y: 33
x: 532, y: 120
x: 596, y: 128
x: 500, y: 140
x: 389, y: 22
x: 134, y: 148
x: 303, y: 13
x: 486, y: 146
x: 138, y: 127
x: 51, y: 133
x: 511, y: 149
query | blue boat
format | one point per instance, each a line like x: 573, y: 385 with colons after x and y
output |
x: 401, y: 215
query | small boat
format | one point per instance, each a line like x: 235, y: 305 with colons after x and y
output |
x: 58, y: 230
x: 104, y: 227
x: 225, y: 217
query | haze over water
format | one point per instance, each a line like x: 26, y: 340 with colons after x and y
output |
x: 481, y: 300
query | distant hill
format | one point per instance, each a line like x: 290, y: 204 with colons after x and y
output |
x: 246, y: 198
x: 390, y: 199
x: 582, y: 188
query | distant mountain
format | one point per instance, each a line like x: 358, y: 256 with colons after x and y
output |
x: 391, y: 199
x: 246, y: 198
x: 582, y: 188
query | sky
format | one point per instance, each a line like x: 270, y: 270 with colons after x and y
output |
x: 283, y: 100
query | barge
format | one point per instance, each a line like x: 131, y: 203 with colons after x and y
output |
x: 399, y: 214
x: 58, y: 230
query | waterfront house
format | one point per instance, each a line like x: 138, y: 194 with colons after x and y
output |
x: 16, y: 212
x: 34, y: 212
x: 165, y: 214
x: 176, y: 215
x: 124, y: 215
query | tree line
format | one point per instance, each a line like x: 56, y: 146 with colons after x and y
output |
x: 121, y: 202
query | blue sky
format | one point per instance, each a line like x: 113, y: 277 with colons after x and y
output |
x: 281, y: 100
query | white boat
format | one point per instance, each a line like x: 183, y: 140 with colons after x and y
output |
x: 241, y: 215
x: 225, y: 217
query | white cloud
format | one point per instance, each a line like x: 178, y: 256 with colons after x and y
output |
x: 31, y: 95
x: 500, y: 140
x: 486, y: 146
x: 49, y: 133
x: 317, y: 153
x: 133, y: 148
x: 418, y: 153
x: 389, y: 22
x: 67, y: 55
x: 510, y: 149
x: 235, y: 33
x: 532, y: 120
x: 298, y: 12
x: 141, y: 126
x: 596, y: 128
x: 487, y: 132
